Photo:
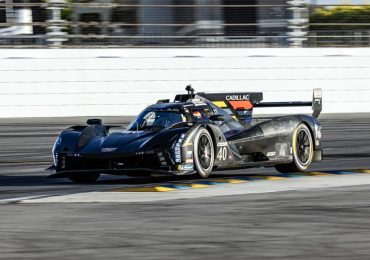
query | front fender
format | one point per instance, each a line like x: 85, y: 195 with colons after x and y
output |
x: 67, y: 141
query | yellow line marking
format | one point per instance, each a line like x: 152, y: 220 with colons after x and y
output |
x: 232, y: 181
x: 197, y: 185
x: 270, y: 177
x: 318, y: 174
x: 274, y: 178
x: 361, y: 171
x: 220, y: 104
x: 145, y: 189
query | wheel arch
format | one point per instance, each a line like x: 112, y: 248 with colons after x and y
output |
x: 209, y: 129
x: 310, y: 128
x: 213, y: 136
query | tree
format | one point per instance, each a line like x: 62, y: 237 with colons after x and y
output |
x: 356, y: 18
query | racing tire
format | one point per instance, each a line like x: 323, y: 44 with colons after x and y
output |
x: 302, y: 147
x: 85, y: 177
x: 204, y: 155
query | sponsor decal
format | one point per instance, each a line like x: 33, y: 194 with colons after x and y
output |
x: 132, y: 132
x: 222, y: 154
x: 237, y: 97
x: 186, y: 167
x: 240, y: 104
x: 222, y: 144
x: 282, y: 149
x: 178, y: 148
x: 108, y: 149
x: 74, y: 155
x: 189, y: 161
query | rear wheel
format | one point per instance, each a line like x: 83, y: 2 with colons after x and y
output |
x: 204, y: 155
x: 302, y: 146
x: 84, y: 177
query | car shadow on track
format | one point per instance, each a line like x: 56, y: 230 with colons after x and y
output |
x: 105, y: 180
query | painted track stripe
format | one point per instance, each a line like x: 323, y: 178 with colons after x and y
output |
x: 318, y: 174
x: 211, y: 182
x: 144, y: 189
x: 341, y: 172
x: 292, y: 175
x: 178, y: 186
x: 362, y: 171
x: 232, y: 181
x: 274, y: 178
x: 309, y: 182
x: 235, y: 180
x: 198, y: 185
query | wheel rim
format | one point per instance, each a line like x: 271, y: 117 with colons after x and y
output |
x: 303, y: 147
x: 204, y: 152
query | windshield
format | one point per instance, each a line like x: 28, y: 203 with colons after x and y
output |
x: 156, y: 120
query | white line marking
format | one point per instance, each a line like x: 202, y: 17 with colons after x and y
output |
x: 18, y: 199
x: 252, y: 187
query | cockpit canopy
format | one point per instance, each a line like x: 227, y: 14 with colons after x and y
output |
x: 151, y: 119
x: 166, y: 115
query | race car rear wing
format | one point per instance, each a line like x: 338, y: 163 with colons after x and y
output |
x: 241, y: 105
x: 316, y: 103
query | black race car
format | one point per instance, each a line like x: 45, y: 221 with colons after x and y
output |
x: 195, y: 134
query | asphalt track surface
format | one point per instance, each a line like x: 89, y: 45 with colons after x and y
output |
x: 322, y: 223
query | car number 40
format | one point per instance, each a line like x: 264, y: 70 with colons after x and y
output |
x: 222, y: 154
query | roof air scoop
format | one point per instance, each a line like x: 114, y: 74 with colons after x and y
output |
x: 190, y: 90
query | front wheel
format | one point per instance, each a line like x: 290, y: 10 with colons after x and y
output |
x: 84, y: 177
x: 204, y: 155
x: 302, y: 146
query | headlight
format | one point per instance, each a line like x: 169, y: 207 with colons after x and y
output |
x: 57, y: 143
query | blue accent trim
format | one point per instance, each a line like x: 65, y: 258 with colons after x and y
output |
x: 178, y: 187
x: 340, y: 172
x: 208, y: 182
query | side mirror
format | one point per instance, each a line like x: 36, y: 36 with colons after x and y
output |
x: 219, y: 118
x: 94, y: 121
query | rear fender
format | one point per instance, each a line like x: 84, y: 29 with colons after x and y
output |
x: 268, y: 141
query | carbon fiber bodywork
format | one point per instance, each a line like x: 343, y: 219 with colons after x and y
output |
x: 96, y: 148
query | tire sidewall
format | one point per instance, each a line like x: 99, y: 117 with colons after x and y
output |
x: 297, y: 162
x: 204, y: 173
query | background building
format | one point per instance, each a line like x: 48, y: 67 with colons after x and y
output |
x: 207, y: 23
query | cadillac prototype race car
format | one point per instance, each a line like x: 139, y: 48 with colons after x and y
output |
x: 197, y: 133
